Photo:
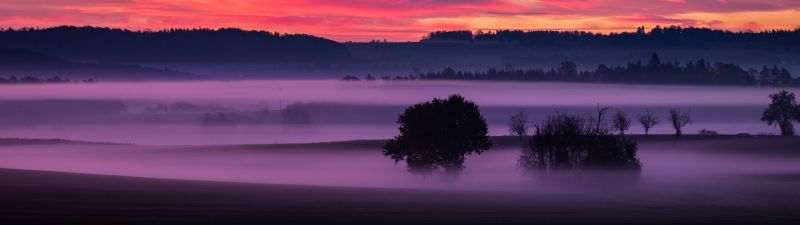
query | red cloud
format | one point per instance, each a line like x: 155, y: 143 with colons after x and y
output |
x: 367, y: 19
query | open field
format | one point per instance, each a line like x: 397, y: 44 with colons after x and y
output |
x: 695, y: 180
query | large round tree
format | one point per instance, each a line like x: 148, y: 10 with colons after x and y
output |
x: 439, y: 134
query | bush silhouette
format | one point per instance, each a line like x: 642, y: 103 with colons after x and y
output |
x: 568, y: 142
x: 439, y: 134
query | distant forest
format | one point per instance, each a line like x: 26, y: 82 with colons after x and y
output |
x: 38, y: 80
x: 699, y: 72
x: 173, y: 45
x: 673, y: 36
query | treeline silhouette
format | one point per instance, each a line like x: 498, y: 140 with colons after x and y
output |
x: 173, y: 45
x: 699, y: 72
x: 38, y: 80
x: 672, y: 36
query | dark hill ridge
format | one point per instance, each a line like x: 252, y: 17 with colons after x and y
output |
x: 174, y: 45
x: 22, y: 62
x: 18, y: 55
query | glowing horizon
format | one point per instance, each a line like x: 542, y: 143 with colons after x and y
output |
x: 402, y: 20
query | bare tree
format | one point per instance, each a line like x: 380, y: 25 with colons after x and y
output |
x: 598, y: 122
x: 679, y: 120
x: 621, y: 122
x: 648, y: 121
x: 518, y: 125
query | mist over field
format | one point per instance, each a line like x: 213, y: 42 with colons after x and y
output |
x: 149, y: 121
x: 176, y: 112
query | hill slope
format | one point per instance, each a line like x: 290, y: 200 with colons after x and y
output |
x: 100, y: 44
x: 22, y: 62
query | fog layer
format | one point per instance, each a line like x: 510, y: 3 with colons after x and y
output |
x: 242, y: 112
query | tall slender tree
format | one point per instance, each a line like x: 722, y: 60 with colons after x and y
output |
x: 598, y: 122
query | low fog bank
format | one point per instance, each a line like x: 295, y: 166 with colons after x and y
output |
x: 159, y: 123
x: 709, y: 166
x: 273, y: 93
x: 252, y: 112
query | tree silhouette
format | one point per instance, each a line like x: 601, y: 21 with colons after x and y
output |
x: 568, y: 69
x: 621, y: 122
x: 648, y: 121
x: 654, y: 61
x: 518, y: 124
x: 679, y: 120
x: 350, y: 78
x: 707, y: 132
x: 33, y: 80
x: 782, y: 112
x: 598, y: 122
x: 439, y: 134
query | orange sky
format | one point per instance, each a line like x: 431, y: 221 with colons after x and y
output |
x: 402, y: 20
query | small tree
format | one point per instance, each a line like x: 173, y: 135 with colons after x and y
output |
x: 621, y: 122
x: 598, y: 122
x: 518, y: 124
x: 782, y: 111
x: 679, y: 120
x: 648, y: 121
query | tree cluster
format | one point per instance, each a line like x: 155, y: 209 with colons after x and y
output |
x: 655, y: 71
x: 37, y: 80
x: 569, y: 142
x: 596, y: 123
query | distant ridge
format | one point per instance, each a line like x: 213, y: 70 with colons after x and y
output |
x: 671, y: 36
x: 19, y: 63
x: 18, y: 55
x: 101, y: 44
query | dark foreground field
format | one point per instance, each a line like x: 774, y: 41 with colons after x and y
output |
x: 31, y: 197
x: 39, y: 197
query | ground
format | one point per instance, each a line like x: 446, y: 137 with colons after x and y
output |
x: 48, y: 197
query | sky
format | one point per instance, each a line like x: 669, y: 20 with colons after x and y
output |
x: 402, y: 20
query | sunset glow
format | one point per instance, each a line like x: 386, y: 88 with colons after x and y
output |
x: 402, y: 20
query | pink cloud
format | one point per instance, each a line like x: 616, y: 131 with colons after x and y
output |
x: 366, y: 19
